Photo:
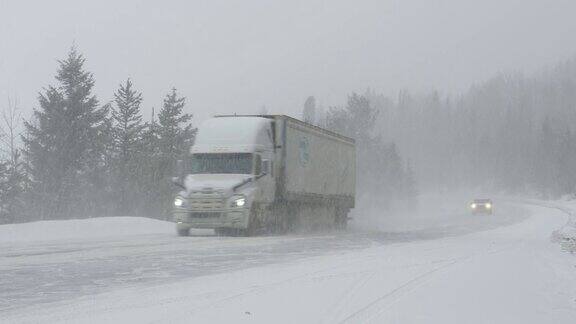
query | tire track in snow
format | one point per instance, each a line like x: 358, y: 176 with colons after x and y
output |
x: 380, y: 304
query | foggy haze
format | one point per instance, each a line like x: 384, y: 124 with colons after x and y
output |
x: 235, y: 56
x: 424, y: 171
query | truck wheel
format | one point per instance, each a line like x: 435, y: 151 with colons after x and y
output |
x: 183, y: 231
x: 278, y: 224
x: 281, y: 225
x: 341, y: 218
x: 221, y: 231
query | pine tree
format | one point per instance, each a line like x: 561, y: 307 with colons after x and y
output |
x: 12, y: 185
x: 380, y: 169
x: 175, y: 131
x: 172, y: 137
x: 150, y: 176
x: 128, y: 133
x: 65, y: 144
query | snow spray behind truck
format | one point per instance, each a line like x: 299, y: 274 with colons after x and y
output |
x: 265, y: 173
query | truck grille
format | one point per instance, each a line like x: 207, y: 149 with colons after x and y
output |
x: 205, y: 215
x: 206, y: 201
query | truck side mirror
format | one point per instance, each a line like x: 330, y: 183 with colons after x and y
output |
x: 266, y: 167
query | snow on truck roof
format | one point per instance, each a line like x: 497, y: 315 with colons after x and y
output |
x: 232, y: 131
x: 296, y: 121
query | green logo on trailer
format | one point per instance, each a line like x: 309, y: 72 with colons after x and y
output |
x: 304, y: 148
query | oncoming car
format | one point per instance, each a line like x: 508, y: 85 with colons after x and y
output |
x: 482, y: 206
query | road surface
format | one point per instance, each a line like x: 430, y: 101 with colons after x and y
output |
x: 447, y: 267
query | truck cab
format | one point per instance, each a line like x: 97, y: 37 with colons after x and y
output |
x: 227, y: 174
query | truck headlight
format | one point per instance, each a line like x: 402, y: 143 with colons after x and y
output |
x: 488, y: 206
x: 473, y: 206
x: 239, y: 202
x: 178, y: 202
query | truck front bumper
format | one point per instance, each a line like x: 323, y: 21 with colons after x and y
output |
x: 236, y: 218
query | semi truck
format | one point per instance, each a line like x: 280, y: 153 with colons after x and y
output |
x: 251, y: 174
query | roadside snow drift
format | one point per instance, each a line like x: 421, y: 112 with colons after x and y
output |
x: 90, y: 228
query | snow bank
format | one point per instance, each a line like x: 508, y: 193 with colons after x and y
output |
x: 91, y: 228
x: 566, y: 235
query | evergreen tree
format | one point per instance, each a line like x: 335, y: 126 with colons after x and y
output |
x: 128, y: 132
x: 65, y: 144
x: 172, y: 135
x: 12, y: 185
x: 150, y: 174
x: 380, y: 172
x: 175, y: 132
x: 356, y: 120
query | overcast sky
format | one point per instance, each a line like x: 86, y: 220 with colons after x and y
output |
x: 235, y: 56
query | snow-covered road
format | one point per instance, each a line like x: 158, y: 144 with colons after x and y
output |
x: 447, y: 267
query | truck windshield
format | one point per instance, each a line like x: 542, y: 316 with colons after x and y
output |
x: 235, y: 163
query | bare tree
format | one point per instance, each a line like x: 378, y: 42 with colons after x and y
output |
x: 12, y: 177
x: 9, y: 132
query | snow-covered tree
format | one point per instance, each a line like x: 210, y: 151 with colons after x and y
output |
x: 65, y: 144
x: 128, y: 146
x: 380, y: 169
x: 170, y: 137
x: 175, y: 132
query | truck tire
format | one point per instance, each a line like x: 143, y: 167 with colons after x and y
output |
x: 278, y: 224
x: 281, y: 225
x: 222, y: 231
x: 341, y: 218
x: 183, y: 231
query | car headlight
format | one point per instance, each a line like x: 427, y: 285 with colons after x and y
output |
x: 488, y: 206
x: 178, y: 202
x: 473, y: 206
x: 239, y: 202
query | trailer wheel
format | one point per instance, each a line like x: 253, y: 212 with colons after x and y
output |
x: 183, y: 231
x: 278, y: 222
x: 341, y: 218
x: 281, y: 225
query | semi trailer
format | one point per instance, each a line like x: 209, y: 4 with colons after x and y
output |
x: 249, y: 174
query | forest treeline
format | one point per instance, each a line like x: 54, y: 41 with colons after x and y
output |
x: 77, y: 157
x: 513, y: 133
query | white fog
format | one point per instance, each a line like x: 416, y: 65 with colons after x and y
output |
x: 394, y: 161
